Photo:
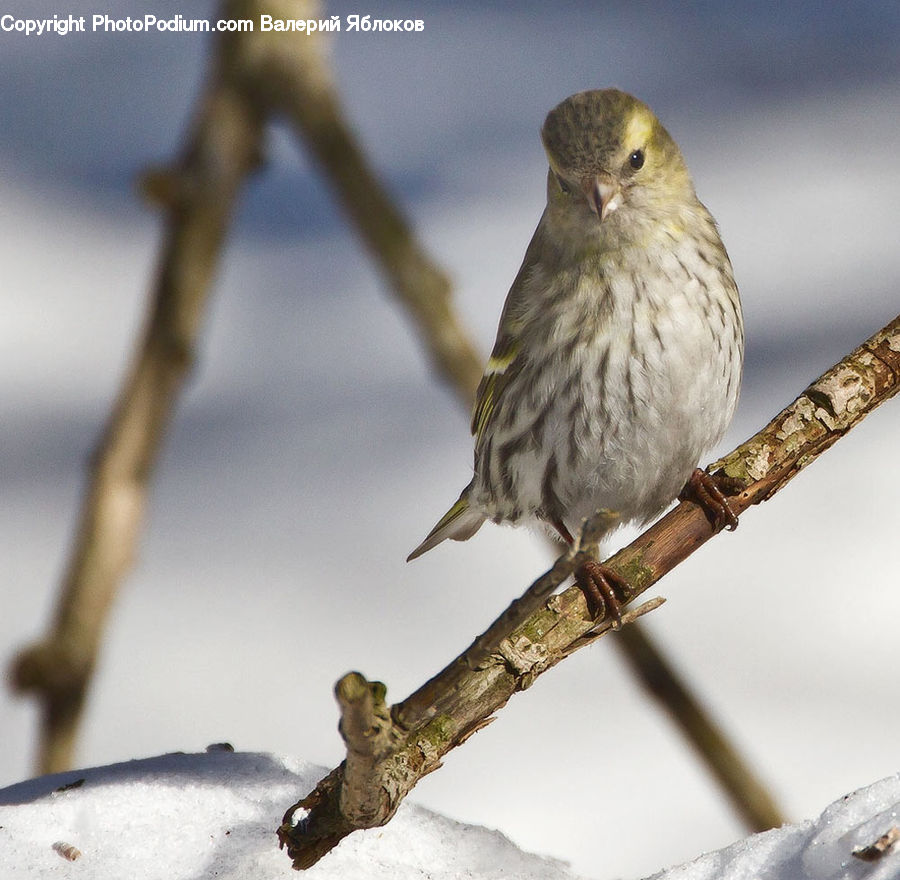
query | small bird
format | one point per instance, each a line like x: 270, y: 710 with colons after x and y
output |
x: 618, y: 358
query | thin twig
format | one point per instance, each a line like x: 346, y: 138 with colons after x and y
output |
x: 460, y: 700
x: 750, y: 799
x: 312, y: 106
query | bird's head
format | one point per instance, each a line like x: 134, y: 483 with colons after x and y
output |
x: 609, y: 154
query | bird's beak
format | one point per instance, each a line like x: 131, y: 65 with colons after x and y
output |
x: 603, y: 194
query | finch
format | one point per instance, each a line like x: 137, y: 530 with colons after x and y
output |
x: 618, y: 358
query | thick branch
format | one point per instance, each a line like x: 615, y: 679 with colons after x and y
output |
x: 198, y: 193
x: 369, y: 734
x: 461, y: 699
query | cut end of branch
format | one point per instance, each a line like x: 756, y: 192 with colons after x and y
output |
x: 354, y: 689
x: 366, y: 724
x: 313, y: 826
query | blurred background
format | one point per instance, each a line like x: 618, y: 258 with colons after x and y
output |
x: 312, y: 414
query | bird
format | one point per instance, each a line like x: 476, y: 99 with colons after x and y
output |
x: 618, y: 358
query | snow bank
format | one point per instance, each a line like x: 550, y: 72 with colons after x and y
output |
x: 818, y: 850
x: 214, y: 815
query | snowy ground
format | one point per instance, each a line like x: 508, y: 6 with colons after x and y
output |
x: 212, y: 815
x: 215, y: 815
x: 311, y: 411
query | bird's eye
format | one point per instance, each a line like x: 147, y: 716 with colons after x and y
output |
x: 563, y: 185
x: 636, y: 160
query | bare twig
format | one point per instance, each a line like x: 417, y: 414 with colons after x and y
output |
x: 750, y: 799
x: 300, y: 86
x: 254, y: 76
x: 199, y: 193
x: 369, y: 733
x: 460, y: 700
x: 880, y: 848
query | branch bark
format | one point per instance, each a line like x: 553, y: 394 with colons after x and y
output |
x: 463, y: 697
x: 198, y: 195
x: 312, y: 106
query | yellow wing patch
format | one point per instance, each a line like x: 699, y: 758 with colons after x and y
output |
x: 499, y: 362
x: 484, y: 404
x: 492, y: 383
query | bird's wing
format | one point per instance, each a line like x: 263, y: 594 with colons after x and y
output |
x: 507, y: 357
x: 501, y: 367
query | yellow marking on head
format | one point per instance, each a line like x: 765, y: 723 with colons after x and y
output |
x: 638, y: 128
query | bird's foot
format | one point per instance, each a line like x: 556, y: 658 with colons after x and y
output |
x: 600, y: 586
x: 711, y: 493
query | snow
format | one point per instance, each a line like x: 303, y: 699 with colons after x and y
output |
x: 214, y: 815
x: 211, y: 815
x: 820, y: 849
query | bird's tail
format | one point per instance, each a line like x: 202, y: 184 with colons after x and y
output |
x: 459, y: 523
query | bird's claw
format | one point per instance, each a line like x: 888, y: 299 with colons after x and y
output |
x: 600, y: 585
x: 710, y: 493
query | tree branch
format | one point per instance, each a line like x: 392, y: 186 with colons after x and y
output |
x: 254, y: 76
x: 311, y: 104
x: 198, y: 195
x: 462, y: 698
x: 749, y: 798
